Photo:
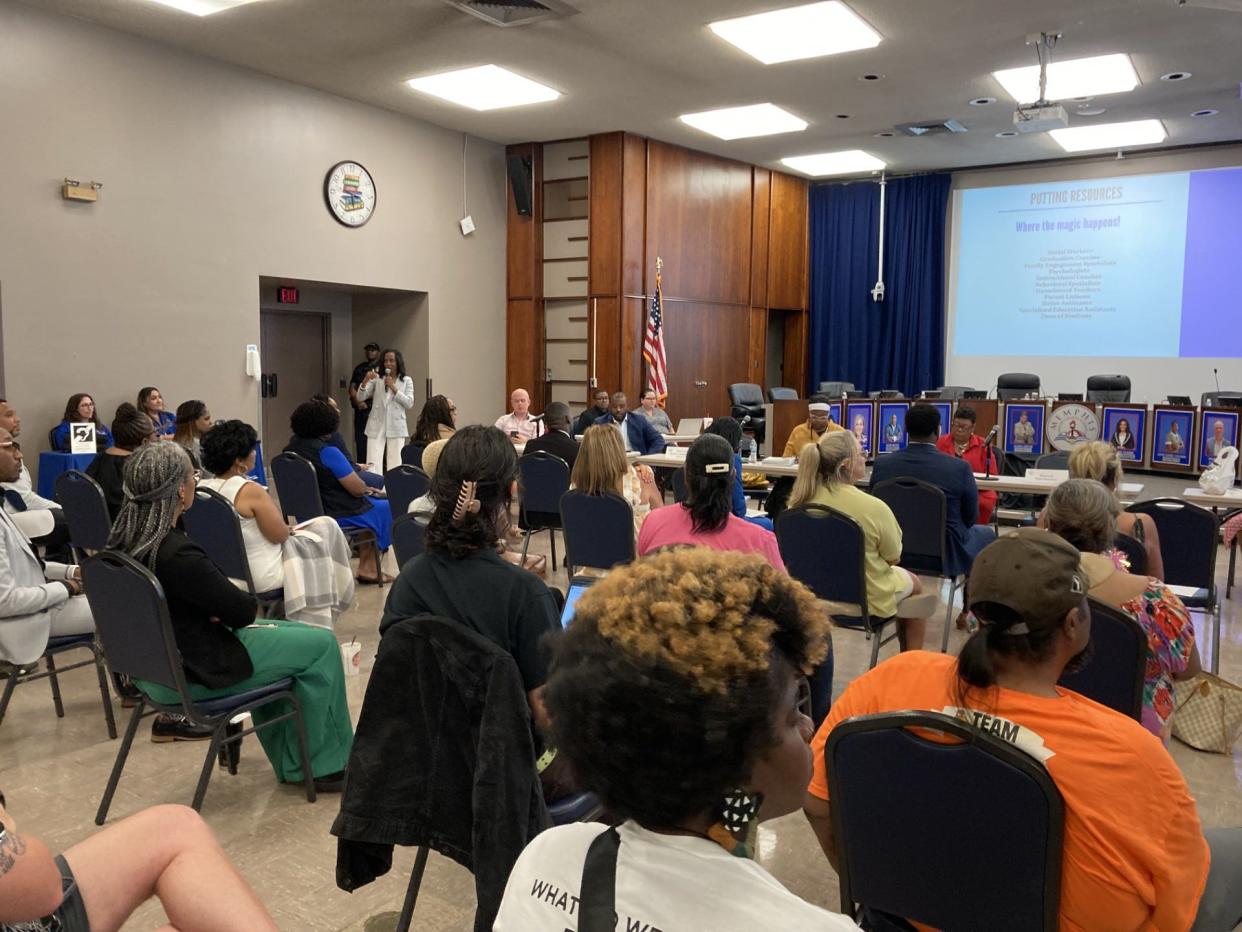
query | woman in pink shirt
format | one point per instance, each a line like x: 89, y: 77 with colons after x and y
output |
x: 705, y: 519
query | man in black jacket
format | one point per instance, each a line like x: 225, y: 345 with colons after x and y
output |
x: 593, y: 413
x: 556, y: 441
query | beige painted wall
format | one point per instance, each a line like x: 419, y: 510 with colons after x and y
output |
x: 213, y: 177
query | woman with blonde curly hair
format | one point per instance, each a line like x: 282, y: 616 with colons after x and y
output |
x: 673, y: 697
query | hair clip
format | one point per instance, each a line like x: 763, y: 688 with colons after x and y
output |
x: 466, y: 502
x: 716, y: 468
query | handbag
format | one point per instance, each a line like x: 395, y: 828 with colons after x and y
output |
x: 1207, y: 713
x: 1218, y: 479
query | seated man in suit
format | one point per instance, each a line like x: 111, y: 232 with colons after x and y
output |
x: 592, y: 414
x: 40, y: 519
x: 556, y: 441
x: 921, y: 460
x: 637, y: 434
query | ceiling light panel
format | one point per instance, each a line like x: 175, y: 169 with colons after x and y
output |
x: 1109, y: 135
x: 1079, y: 77
x: 846, y: 162
x: 487, y: 87
x: 808, y: 31
x: 741, y: 122
x: 203, y: 7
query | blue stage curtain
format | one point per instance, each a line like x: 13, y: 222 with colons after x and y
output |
x: 894, y: 343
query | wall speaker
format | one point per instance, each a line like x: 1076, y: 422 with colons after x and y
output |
x: 520, y: 182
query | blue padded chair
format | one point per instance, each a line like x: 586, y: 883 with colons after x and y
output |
x: 1189, y: 536
x: 214, y: 525
x: 407, y: 538
x: 901, y: 801
x: 680, y: 493
x: 825, y: 549
x: 297, y: 488
x: 920, y: 510
x: 86, y: 511
x: 1114, y: 671
x: 412, y: 453
x: 60, y: 645
x: 404, y: 484
x: 132, y: 620
x: 544, y: 479
x: 1135, y: 552
x: 598, y: 529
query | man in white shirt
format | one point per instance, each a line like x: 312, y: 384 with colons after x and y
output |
x: 519, y: 426
x: 39, y: 518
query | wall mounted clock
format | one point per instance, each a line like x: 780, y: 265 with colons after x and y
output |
x: 350, y: 193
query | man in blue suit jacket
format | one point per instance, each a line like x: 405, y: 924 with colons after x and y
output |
x: 636, y: 430
x: 921, y: 460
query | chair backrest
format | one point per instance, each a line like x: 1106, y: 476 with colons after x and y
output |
x: 1012, y: 385
x: 1113, y: 673
x: 920, y: 510
x: 901, y: 800
x: 545, y: 478
x: 297, y: 487
x: 1108, y: 388
x: 412, y: 453
x: 746, y: 394
x: 782, y: 394
x: 680, y: 492
x: 404, y: 484
x: 826, y: 550
x: 407, y: 537
x: 1057, y: 459
x: 1135, y: 552
x: 835, y: 389
x: 214, y: 525
x: 953, y: 392
x: 131, y: 618
x: 1188, y: 538
x: 86, y: 510
x: 599, y: 529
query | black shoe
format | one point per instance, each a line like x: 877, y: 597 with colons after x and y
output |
x: 328, y: 783
x: 6, y: 669
x: 167, y: 728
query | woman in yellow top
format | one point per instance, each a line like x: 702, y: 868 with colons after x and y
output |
x: 819, y: 422
x: 826, y: 474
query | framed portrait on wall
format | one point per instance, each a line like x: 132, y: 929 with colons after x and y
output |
x: 1124, y: 428
x: 891, y: 426
x: 859, y: 417
x: 834, y: 412
x: 945, y: 410
x: 1218, y: 428
x: 1173, y: 438
x: 1024, y: 429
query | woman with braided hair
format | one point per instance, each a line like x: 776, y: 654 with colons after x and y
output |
x: 223, y: 650
x: 461, y: 575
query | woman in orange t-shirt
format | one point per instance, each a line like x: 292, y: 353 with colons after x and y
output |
x: 1134, y: 855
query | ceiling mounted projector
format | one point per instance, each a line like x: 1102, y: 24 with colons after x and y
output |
x: 1036, y: 119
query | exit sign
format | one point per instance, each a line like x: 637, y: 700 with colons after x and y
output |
x: 286, y: 295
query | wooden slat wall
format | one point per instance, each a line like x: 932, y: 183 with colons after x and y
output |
x: 524, y: 366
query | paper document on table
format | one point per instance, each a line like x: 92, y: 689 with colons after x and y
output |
x: 1048, y: 475
x: 780, y: 460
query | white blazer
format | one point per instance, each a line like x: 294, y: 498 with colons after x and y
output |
x: 388, y: 411
x: 25, y: 596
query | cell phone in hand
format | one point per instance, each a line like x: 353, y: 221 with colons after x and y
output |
x: 513, y: 434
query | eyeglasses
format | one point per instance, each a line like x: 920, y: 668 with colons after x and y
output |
x: 12, y: 443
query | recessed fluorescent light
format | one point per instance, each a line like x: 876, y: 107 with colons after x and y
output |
x: 1078, y: 77
x: 203, y: 7
x: 487, y: 87
x: 847, y: 162
x: 740, y: 122
x: 1109, y: 135
x: 796, y: 32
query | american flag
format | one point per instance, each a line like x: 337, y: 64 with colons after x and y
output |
x: 653, y: 342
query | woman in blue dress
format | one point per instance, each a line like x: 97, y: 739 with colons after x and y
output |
x: 151, y: 403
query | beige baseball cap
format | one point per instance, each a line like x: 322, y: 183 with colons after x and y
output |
x: 1035, y: 574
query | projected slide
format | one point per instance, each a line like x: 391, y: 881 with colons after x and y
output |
x: 1144, y: 265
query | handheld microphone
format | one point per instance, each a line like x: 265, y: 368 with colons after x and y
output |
x: 987, y: 441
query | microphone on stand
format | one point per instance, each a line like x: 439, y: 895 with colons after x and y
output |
x: 987, y: 453
x: 1217, y: 378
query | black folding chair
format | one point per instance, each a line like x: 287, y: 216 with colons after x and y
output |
x: 86, y: 511
x: 297, y: 488
x: 132, y: 620
x: 412, y: 453
x: 1135, y: 552
x: 826, y: 549
x: 598, y: 529
x: 1189, y: 536
x: 901, y: 800
x: 404, y: 484
x: 920, y: 510
x: 60, y: 645
x: 213, y: 524
x: 1114, y: 671
x: 1057, y: 459
x: 544, y: 479
x: 680, y: 493
x: 407, y: 538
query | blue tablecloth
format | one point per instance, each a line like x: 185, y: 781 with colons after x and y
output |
x: 52, y: 464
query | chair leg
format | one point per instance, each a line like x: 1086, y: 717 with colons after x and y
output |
x: 948, y: 616
x: 308, y: 778
x: 552, y: 542
x: 52, y: 678
x: 876, y: 640
x: 525, y: 543
x: 103, y: 690
x: 1233, y: 559
x: 9, y: 686
x: 411, y: 892
x: 1215, y: 616
x: 121, y: 755
x: 204, y: 775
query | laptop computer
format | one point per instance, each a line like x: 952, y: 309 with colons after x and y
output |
x: 1179, y: 400
x: 689, y: 427
x: 1069, y: 396
x: 577, y: 586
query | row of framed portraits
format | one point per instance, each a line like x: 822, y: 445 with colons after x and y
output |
x: 1173, y: 438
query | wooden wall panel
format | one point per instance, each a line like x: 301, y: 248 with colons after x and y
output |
x: 605, y: 206
x: 757, y: 372
x: 794, y: 361
x: 524, y: 235
x: 698, y: 221
x: 761, y: 203
x: 704, y: 343
x: 605, y: 356
x: 524, y: 350
x: 634, y: 216
x: 787, y: 270
x: 630, y: 370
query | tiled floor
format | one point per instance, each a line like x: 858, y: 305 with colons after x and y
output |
x: 54, y: 771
